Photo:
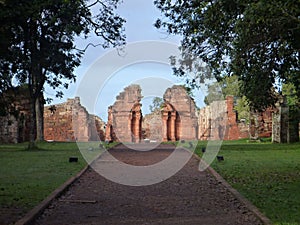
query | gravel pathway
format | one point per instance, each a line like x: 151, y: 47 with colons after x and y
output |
x: 188, y: 197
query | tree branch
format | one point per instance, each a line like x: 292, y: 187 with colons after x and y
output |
x: 95, y: 3
x: 86, y: 47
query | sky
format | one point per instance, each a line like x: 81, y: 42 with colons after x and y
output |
x: 104, y: 73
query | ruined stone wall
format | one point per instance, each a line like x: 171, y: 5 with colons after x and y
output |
x: 204, y: 123
x: 184, y: 113
x: 177, y: 120
x: 219, y: 121
x: 70, y: 121
x: 260, y: 124
x: 285, y: 128
x: 234, y: 129
x: 212, y: 121
x: 96, y: 128
x: 152, y: 126
x: 124, y: 117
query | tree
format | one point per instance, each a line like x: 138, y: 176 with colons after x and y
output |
x: 214, y: 93
x: 219, y: 90
x: 156, y: 105
x: 229, y: 86
x: 256, y: 40
x: 37, y: 44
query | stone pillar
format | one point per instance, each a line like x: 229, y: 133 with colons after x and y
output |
x: 136, y: 128
x: 253, y: 125
x: 178, y: 128
x: 280, y: 124
x: 165, y: 126
x: 107, y: 133
x: 172, y: 126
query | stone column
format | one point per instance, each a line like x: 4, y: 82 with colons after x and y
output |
x: 108, y: 129
x: 172, y: 133
x: 177, y: 128
x: 253, y: 125
x: 165, y: 126
x: 108, y: 132
x: 137, y: 127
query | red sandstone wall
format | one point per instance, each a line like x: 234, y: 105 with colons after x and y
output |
x: 222, y: 114
x: 219, y: 121
x: 124, y: 116
x: 70, y: 121
x: 186, y: 121
x: 152, y: 126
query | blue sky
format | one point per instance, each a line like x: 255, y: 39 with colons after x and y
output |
x: 140, y: 16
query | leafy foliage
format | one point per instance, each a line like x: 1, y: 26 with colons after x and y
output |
x: 37, y: 38
x: 256, y: 40
x: 229, y: 86
x: 37, y: 42
x: 219, y: 90
x: 156, y: 104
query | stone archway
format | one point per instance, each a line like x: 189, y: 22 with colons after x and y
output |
x: 125, y: 116
x: 171, y: 123
x: 177, y: 119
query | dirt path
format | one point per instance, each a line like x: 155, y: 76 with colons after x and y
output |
x: 189, y: 197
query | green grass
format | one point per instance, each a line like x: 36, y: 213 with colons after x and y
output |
x: 267, y: 174
x: 27, y: 177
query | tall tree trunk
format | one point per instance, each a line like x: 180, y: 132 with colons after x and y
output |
x: 32, y: 134
x: 39, y: 119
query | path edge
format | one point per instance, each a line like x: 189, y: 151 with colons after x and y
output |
x: 29, y: 217
x: 238, y: 195
x: 34, y: 213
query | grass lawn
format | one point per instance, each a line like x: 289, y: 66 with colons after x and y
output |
x: 266, y: 174
x: 27, y: 177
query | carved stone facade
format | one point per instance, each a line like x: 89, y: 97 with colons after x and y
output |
x: 179, y: 115
x: 177, y: 119
x: 125, y: 116
x: 70, y: 121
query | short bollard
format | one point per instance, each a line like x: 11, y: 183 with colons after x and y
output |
x: 73, y: 159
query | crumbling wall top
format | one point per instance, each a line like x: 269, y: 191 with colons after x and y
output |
x: 128, y: 98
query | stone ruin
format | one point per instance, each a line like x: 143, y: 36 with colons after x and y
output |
x: 67, y: 121
x: 218, y: 121
x: 179, y: 115
x: 125, y: 116
x: 284, y: 128
x: 178, y: 119
x: 70, y: 121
